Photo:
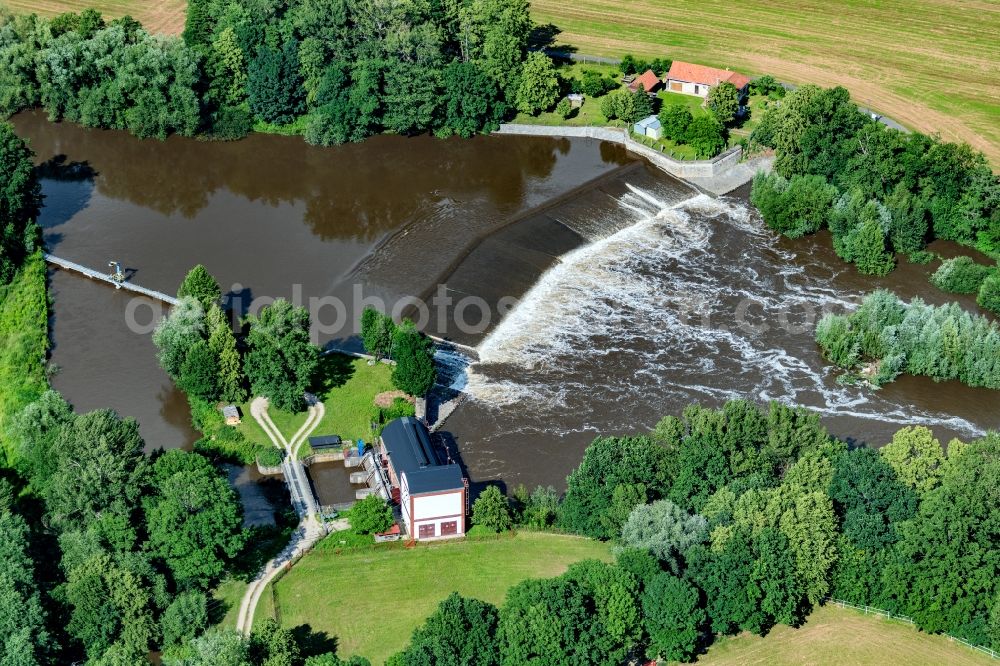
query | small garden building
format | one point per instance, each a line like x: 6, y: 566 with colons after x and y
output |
x: 649, y: 81
x: 691, y: 79
x: 650, y: 127
x: 433, y: 497
x: 231, y: 413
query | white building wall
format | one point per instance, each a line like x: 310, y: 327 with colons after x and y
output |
x: 688, y: 88
x: 434, y: 506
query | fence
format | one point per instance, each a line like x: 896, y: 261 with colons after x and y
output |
x: 903, y: 618
x: 679, y: 168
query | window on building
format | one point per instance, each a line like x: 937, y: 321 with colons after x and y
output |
x: 426, y: 531
x: 449, y: 528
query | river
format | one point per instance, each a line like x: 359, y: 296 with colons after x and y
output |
x: 624, y: 294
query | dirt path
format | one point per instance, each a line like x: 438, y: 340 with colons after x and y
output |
x: 310, y: 529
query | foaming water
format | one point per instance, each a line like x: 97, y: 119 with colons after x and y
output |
x: 695, y: 300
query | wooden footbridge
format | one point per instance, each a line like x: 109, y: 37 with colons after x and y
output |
x: 116, y: 278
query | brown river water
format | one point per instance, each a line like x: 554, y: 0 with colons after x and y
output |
x: 615, y: 294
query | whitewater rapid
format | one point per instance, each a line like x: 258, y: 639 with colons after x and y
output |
x: 681, y: 304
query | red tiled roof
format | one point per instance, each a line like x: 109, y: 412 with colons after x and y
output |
x: 649, y: 80
x: 709, y: 76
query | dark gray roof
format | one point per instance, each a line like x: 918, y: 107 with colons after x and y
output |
x: 325, y: 441
x: 408, y: 445
x: 435, y: 479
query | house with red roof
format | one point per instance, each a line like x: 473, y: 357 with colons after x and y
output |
x: 691, y: 79
x: 649, y: 81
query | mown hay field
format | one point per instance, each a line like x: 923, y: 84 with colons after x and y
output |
x: 933, y: 65
x: 158, y: 16
x: 832, y: 636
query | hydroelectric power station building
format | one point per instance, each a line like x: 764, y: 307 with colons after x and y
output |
x: 433, y: 497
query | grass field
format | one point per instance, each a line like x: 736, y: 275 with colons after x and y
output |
x: 347, y: 386
x: 372, y: 600
x: 834, y: 636
x: 158, y: 16
x: 933, y: 65
x: 23, y: 342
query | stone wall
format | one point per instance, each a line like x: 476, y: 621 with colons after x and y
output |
x: 679, y: 168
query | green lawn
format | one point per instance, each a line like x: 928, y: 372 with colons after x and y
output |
x: 694, y: 103
x: 347, y: 386
x: 23, y: 342
x: 832, y: 636
x: 371, y: 600
x: 224, y: 604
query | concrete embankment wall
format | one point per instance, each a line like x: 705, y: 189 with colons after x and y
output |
x: 679, y: 168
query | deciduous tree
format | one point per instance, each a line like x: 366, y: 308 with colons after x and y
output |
x: 538, y: 88
x: 608, y: 462
x: 185, y: 618
x: 200, y: 372
x: 37, y: 432
x: 664, y: 529
x: 413, y: 352
x: 916, y: 457
x: 377, y: 331
x: 371, y: 515
x: 673, y: 617
x: 724, y: 101
x: 194, y: 518
x: 24, y: 638
x: 492, y: 510
x: 20, y: 200
x: 281, y: 359
x: 675, y: 118
x: 101, y: 468
x: 177, y: 333
x: 274, y: 85
x: 706, y: 135
x: 461, y: 631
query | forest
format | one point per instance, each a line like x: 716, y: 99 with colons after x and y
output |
x: 738, y: 519
x: 334, y: 70
x: 880, y: 191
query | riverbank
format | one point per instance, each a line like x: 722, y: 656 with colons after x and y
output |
x: 24, y: 342
x: 717, y: 176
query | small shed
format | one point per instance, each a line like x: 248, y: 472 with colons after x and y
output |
x: 650, y: 127
x: 648, y: 81
x: 326, y: 442
x: 575, y: 100
x: 231, y: 413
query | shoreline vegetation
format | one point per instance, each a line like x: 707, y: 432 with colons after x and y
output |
x: 24, y: 344
x: 737, y: 519
x: 726, y: 523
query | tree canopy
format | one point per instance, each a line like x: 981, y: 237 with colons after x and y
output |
x: 20, y: 199
x: 281, y: 359
x: 413, y: 352
x: 202, y: 286
x: 194, y: 519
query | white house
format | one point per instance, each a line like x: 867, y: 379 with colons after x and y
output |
x: 650, y: 127
x: 433, y: 497
x: 691, y: 79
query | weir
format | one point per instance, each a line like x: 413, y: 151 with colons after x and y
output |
x: 109, y: 279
